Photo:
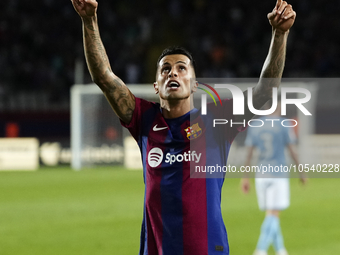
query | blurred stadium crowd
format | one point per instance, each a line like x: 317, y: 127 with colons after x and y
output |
x: 41, y: 40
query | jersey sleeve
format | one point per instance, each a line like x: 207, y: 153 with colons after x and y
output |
x: 228, y: 109
x: 225, y: 112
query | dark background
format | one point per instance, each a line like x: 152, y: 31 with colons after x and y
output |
x: 41, y: 40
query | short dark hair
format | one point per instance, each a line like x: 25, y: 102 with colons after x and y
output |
x: 172, y: 50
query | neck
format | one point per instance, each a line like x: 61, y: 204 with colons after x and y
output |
x: 176, y: 108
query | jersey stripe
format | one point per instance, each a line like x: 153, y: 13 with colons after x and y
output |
x: 153, y: 208
x: 172, y: 212
x: 195, y: 204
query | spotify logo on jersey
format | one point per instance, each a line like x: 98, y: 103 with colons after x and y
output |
x: 155, y: 157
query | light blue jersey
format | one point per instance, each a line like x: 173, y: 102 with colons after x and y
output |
x: 271, y: 140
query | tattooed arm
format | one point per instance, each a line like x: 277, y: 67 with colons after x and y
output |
x: 114, y: 89
x: 281, y: 18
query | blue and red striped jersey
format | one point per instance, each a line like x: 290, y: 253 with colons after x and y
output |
x: 182, y: 211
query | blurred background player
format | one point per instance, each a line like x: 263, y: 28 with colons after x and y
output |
x: 272, y: 188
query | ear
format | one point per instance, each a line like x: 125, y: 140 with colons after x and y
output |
x: 155, y: 85
x: 194, y: 87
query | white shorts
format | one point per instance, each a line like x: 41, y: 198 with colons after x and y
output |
x: 272, y: 193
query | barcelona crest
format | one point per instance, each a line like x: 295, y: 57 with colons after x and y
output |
x: 193, y: 132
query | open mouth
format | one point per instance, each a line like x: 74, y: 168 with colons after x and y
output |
x: 173, y: 84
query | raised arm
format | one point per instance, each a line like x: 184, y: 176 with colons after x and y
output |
x: 281, y: 19
x: 117, y: 93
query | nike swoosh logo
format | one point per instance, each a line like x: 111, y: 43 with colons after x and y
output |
x: 155, y: 128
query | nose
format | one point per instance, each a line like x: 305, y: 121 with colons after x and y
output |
x: 173, y: 73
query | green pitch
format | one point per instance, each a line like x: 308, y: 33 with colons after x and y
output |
x: 99, y: 211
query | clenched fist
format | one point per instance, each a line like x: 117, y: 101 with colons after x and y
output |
x: 85, y: 8
x: 282, y: 17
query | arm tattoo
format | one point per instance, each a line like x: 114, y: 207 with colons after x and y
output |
x: 119, y: 96
x: 274, y: 64
x: 121, y: 99
x: 95, y: 53
x: 271, y: 73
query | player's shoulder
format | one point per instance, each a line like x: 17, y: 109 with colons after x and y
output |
x: 145, y: 104
x: 221, y: 108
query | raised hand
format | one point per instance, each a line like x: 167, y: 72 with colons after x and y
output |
x: 85, y: 8
x: 282, y: 17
